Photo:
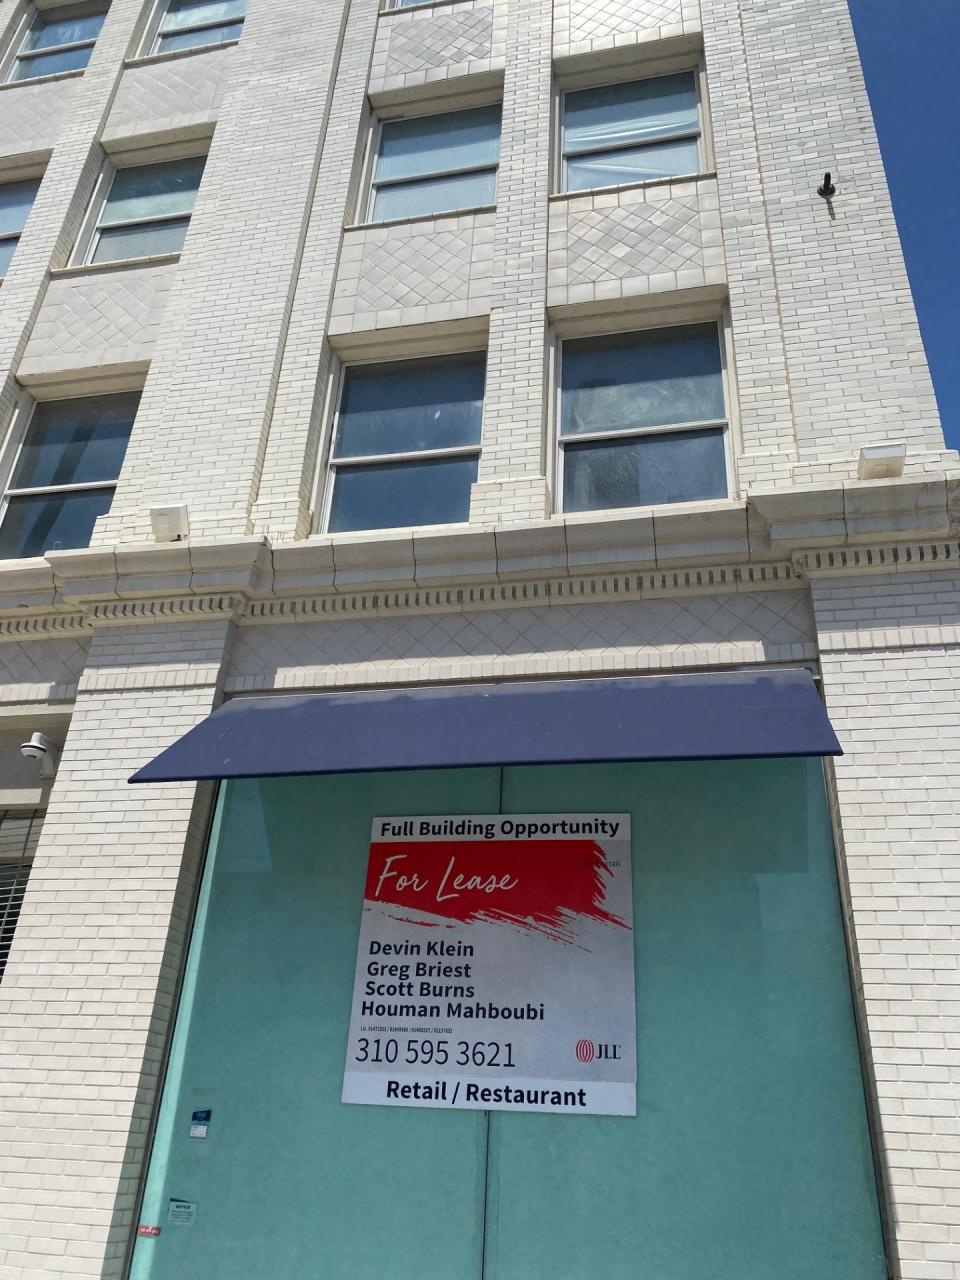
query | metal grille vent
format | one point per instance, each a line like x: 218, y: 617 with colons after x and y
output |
x: 19, y: 833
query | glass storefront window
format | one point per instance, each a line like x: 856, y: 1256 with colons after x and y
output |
x: 749, y: 1156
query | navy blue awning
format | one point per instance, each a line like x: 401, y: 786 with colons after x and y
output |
x: 720, y: 716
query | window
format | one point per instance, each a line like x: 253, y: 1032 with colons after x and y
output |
x: 57, y: 40
x: 146, y: 211
x: 66, y: 473
x: 19, y: 832
x: 634, y: 132
x: 16, y: 201
x: 188, y: 24
x: 406, y: 443
x: 642, y: 419
x: 434, y: 164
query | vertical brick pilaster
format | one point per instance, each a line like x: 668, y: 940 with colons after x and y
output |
x: 282, y: 509
x: 891, y: 673
x: 90, y: 983
x: 202, y: 425
x: 511, y: 482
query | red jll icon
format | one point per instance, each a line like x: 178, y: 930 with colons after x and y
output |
x: 145, y: 1229
x: 585, y: 1051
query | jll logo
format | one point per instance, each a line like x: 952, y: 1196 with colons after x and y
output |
x: 587, y: 1051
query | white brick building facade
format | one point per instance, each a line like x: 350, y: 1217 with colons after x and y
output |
x: 238, y: 343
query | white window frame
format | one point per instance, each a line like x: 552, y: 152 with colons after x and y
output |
x: 374, y: 155
x: 7, y: 236
x: 726, y: 424
x: 331, y: 464
x: 701, y: 133
x: 32, y: 16
x: 150, y: 44
x: 12, y: 447
x: 92, y: 225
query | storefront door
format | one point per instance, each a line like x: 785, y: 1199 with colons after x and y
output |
x: 749, y: 1155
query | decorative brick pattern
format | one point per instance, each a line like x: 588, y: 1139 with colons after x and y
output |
x: 414, y: 272
x: 426, y: 45
x: 639, y: 240
x: 587, y: 26
x: 489, y: 644
x: 30, y: 116
x: 98, y: 319
x: 173, y: 95
x: 50, y: 669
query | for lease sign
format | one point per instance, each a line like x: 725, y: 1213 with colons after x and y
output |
x: 495, y: 965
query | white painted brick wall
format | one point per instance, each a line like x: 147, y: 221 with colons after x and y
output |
x: 100, y: 935
x: 896, y: 708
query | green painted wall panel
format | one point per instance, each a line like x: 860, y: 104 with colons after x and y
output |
x: 290, y: 1183
x: 749, y: 1157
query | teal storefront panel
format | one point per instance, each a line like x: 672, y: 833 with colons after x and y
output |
x: 749, y: 1156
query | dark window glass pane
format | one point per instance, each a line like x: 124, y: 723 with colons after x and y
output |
x: 432, y: 144
x: 75, y: 441
x: 399, y: 494
x: 145, y: 240
x: 196, y: 39
x: 181, y: 14
x: 13, y: 878
x: 6, y: 253
x: 16, y: 201
x: 617, y: 113
x: 48, y: 64
x: 420, y: 404
x: 633, y: 164
x: 638, y: 472
x: 51, y: 522
x: 650, y: 379
x: 150, y: 190
x: 48, y: 33
x: 435, y: 195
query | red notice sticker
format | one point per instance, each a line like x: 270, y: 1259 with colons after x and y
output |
x: 145, y: 1230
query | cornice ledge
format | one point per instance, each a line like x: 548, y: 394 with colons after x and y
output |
x: 156, y: 571
x: 531, y: 592
x: 855, y: 512
x: 124, y: 613
x: 34, y: 626
x: 886, y: 557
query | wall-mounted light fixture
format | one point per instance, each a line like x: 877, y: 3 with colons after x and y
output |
x: 882, y: 461
x: 170, y: 524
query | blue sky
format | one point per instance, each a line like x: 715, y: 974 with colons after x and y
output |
x: 909, y: 53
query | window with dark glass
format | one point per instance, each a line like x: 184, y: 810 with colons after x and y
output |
x: 188, y: 24
x: 65, y: 474
x: 16, y: 201
x: 635, y: 132
x: 146, y: 211
x: 406, y: 443
x: 57, y: 40
x: 642, y: 419
x: 435, y: 164
x: 19, y: 833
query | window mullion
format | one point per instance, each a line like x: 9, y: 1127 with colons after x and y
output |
x: 149, y: 220
x: 434, y: 174
x: 410, y: 455
x: 630, y: 432
x: 56, y: 48
x: 602, y: 148
x: 80, y: 487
